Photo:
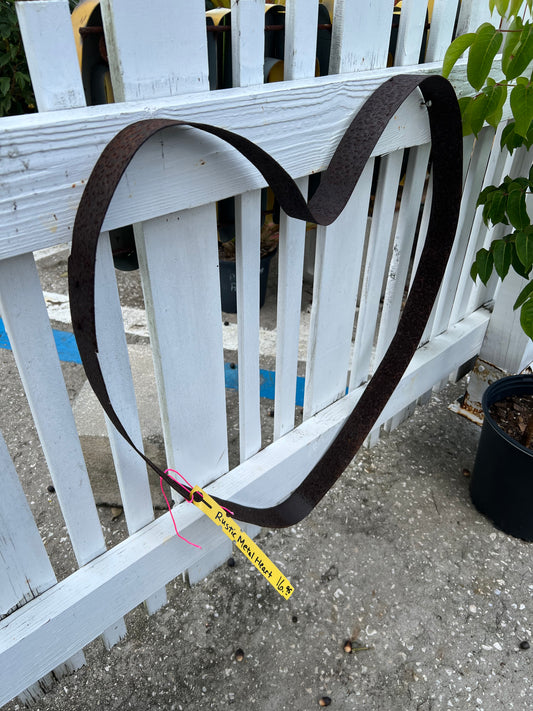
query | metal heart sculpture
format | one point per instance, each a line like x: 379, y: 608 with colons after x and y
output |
x: 336, y: 186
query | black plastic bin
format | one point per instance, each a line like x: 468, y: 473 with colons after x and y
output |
x: 228, y: 282
x: 501, y: 485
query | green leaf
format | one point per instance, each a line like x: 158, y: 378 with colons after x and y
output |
x: 516, y: 206
x: 496, y: 207
x: 484, y: 265
x: 484, y: 194
x: 5, y: 85
x: 522, y: 54
x: 526, y: 318
x: 465, y: 103
x: 510, y: 139
x: 515, y: 7
x: 497, y: 95
x: 477, y: 112
x: 524, y: 247
x: 522, y: 107
x: 455, y: 50
x: 519, y: 267
x: 501, y: 6
x: 512, y: 38
x: 473, y: 271
x: 481, y: 55
x: 526, y: 293
x: 503, y: 253
x: 528, y: 141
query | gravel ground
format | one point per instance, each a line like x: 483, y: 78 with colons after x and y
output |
x: 436, y: 603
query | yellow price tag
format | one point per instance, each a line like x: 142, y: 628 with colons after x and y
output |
x: 244, y: 543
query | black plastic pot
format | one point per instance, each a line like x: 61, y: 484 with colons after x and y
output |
x: 228, y: 282
x: 501, y: 486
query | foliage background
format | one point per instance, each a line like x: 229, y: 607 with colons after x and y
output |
x: 505, y: 205
x: 16, y: 93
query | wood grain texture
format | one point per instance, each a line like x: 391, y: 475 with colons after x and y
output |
x: 46, y: 159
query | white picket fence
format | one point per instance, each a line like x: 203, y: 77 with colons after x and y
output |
x: 159, y: 67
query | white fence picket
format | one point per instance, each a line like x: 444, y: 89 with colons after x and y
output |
x: 472, y: 188
x: 376, y: 262
x: 494, y: 174
x: 340, y: 246
x: 26, y: 320
x: 25, y: 570
x: 410, y: 32
x: 338, y: 259
x: 178, y: 253
x: 57, y: 85
x: 173, y: 40
x: 301, y: 18
x: 114, y: 360
x: 300, y: 53
x: 115, y: 364
x: 441, y: 30
x: 360, y: 40
x: 55, y: 76
x: 247, y: 236
x: 415, y: 179
x: 247, y: 42
x: 471, y: 16
x: 248, y: 50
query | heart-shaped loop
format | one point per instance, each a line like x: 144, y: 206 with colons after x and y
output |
x: 336, y: 186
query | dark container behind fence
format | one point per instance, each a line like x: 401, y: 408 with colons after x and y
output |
x: 501, y: 486
x: 228, y: 283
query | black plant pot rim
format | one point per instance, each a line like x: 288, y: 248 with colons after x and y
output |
x: 499, y: 390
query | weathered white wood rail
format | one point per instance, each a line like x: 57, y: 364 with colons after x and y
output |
x: 169, y: 193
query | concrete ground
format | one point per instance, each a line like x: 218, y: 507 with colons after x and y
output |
x: 436, y: 603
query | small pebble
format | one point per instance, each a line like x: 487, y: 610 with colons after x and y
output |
x: 466, y: 472
x: 231, y: 562
x: 524, y: 645
x: 226, y: 323
x: 294, y: 619
x: 348, y: 646
x: 324, y: 701
x: 271, y: 413
x: 51, y: 489
x: 232, y: 366
x: 116, y: 512
x: 239, y: 655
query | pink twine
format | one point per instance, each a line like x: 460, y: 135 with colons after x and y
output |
x: 168, y: 504
x: 189, y: 484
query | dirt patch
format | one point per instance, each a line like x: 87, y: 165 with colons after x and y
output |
x: 514, y: 415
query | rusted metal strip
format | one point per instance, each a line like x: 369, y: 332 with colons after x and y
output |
x: 336, y: 186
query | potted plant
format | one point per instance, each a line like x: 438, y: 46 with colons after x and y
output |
x: 228, y: 271
x: 226, y: 256
x: 502, y: 478
x: 501, y: 485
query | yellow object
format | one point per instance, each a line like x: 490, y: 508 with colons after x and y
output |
x: 80, y: 18
x: 244, y: 543
x: 217, y: 14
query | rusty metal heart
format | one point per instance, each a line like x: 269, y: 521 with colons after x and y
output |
x: 336, y: 186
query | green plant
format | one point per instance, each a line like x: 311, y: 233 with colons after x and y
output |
x: 504, y: 204
x: 16, y: 93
